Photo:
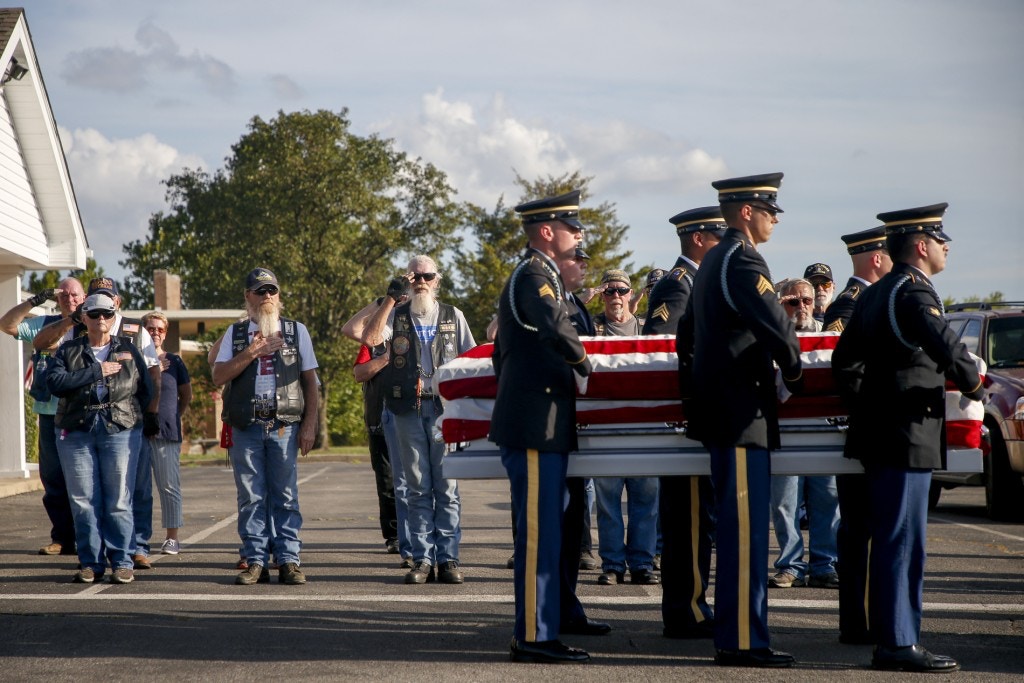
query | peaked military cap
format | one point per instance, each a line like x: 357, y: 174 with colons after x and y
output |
x: 762, y: 188
x: 564, y: 207
x: 582, y: 255
x: 871, y: 239
x: 706, y: 218
x: 926, y: 219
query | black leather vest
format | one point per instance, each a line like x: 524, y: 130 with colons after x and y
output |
x: 240, y: 393
x: 404, y: 370
x: 73, y: 411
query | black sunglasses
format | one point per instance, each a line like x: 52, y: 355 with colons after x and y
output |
x: 427, y: 277
x: 621, y: 291
x: 806, y: 301
x: 96, y: 315
x: 268, y: 289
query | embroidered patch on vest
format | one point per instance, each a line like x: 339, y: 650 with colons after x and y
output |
x: 400, y: 345
x: 128, y: 327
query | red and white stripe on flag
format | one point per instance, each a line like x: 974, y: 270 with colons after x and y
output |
x: 634, y: 379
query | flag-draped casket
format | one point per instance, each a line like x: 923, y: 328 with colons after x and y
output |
x: 634, y: 380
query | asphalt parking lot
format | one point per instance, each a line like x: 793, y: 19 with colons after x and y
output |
x: 356, y: 619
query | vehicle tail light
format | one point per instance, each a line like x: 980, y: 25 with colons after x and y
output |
x: 1018, y: 410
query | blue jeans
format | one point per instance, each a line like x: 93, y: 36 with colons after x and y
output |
x: 387, y: 421
x: 434, y: 504
x: 99, y: 472
x: 637, y: 551
x: 822, y: 519
x: 142, y: 498
x: 587, y: 544
x: 266, y: 480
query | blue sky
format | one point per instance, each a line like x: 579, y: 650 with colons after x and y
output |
x: 867, y: 107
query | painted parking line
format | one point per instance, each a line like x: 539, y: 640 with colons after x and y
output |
x: 974, y: 527
x: 197, y: 537
x: 377, y: 599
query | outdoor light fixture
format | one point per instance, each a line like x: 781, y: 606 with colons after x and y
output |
x: 14, y: 72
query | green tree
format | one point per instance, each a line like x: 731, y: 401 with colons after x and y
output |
x: 45, y: 279
x: 991, y: 298
x: 330, y: 212
x: 484, y: 262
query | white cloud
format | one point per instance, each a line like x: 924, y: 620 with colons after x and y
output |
x: 119, y: 70
x: 482, y: 147
x: 285, y: 88
x: 118, y: 185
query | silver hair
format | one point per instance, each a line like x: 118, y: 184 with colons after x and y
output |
x: 789, y: 285
x: 425, y: 260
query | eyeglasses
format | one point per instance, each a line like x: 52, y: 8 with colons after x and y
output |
x: 156, y: 330
x: 426, y: 277
x: 822, y: 285
x: 621, y: 291
x: 96, y: 315
x: 267, y: 289
x: 806, y: 301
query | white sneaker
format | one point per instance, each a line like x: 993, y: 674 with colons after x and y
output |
x: 170, y: 547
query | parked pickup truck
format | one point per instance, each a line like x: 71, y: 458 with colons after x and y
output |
x: 995, y: 332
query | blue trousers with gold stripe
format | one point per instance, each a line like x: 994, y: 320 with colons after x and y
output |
x: 852, y: 544
x: 742, y: 480
x: 537, y: 483
x: 899, y: 524
x: 686, y: 506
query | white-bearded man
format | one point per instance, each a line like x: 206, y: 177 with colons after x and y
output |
x: 270, y: 401
x: 422, y: 334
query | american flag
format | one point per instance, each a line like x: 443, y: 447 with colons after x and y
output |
x: 634, y: 380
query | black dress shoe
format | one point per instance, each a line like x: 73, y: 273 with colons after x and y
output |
x: 699, y: 631
x: 547, y: 652
x: 587, y: 627
x: 856, y: 638
x: 762, y: 658
x: 610, y: 578
x: 645, y: 577
x: 912, y: 658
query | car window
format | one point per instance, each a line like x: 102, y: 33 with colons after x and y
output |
x: 956, y: 326
x: 970, y: 334
x: 1006, y: 342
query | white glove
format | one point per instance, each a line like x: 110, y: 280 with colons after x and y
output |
x: 581, y: 383
x: 965, y: 402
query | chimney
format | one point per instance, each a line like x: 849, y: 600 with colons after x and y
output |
x: 166, y: 291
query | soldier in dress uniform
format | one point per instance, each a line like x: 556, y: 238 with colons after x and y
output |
x: 698, y: 231
x: 891, y: 366
x: 870, y: 262
x: 537, y: 353
x: 686, y: 549
x: 732, y: 330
